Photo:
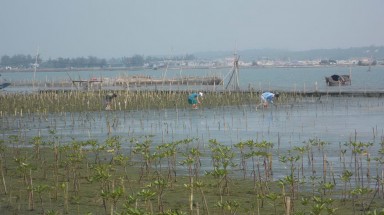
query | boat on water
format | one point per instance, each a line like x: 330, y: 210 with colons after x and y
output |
x: 4, y: 83
x: 338, y: 80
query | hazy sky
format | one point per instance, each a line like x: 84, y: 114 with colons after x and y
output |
x: 116, y: 28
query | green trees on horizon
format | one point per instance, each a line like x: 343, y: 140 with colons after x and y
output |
x: 28, y: 61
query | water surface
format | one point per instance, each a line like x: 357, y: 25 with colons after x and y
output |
x: 258, y: 78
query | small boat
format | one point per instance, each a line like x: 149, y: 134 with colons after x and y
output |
x: 338, y: 80
x: 4, y: 83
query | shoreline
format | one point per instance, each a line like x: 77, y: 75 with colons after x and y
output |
x: 2, y: 70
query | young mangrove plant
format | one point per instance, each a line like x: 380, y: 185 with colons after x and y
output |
x: 222, y: 159
x: 144, y: 151
x: 241, y: 146
x: 3, y: 166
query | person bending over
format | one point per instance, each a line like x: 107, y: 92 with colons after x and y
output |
x: 108, y: 100
x: 193, y: 99
x: 267, y: 98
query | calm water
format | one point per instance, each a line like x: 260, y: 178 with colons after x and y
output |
x: 287, y: 79
x: 332, y: 119
x: 336, y: 120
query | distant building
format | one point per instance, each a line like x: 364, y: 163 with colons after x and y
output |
x: 328, y: 62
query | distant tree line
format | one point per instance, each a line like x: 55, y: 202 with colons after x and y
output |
x: 80, y: 62
x: 19, y: 60
x: 27, y: 61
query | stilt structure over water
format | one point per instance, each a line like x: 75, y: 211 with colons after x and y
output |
x: 35, y: 65
x: 233, y: 82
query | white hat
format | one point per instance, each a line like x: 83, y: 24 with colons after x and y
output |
x: 200, y: 93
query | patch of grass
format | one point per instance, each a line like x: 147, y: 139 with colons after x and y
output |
x: 79, y: 101
x: 84, y: 177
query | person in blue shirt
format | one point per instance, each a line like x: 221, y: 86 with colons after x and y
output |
x: 193, y: 99
x: 267, y: 98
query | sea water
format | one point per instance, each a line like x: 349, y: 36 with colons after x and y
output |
x: 334, y: 120
x: 303, y: 79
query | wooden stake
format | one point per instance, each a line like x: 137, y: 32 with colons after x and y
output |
x: 287, y: 205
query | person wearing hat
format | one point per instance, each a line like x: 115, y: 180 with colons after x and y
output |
x: 193, y: 99
x: 267, y: 98
x: 108, y: 100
